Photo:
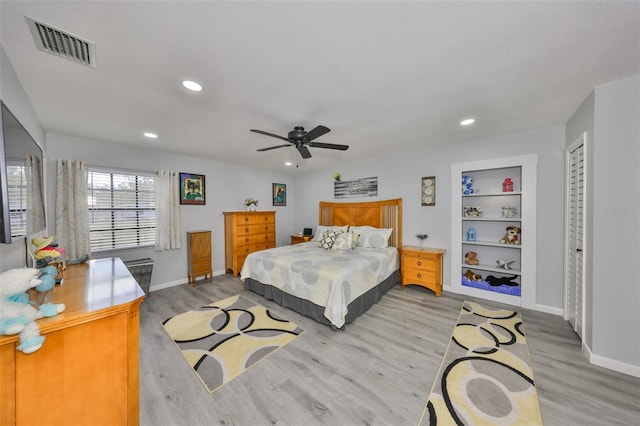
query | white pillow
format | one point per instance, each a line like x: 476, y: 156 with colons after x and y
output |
x: 372, y: 237
x: 321, y: 229
x: 345, y: 241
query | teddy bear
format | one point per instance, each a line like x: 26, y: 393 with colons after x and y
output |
x: 471, y: 258
x: 467, y: 185
x: 472, y: 276
x: 512, y: 236
x: 17, y: 313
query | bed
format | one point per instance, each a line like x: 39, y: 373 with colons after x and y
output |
x: 332, y: 286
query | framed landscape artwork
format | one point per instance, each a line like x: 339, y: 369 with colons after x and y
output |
x: 192, y: 190
x: 279, y: 194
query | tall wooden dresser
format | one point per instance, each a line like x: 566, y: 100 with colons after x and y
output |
x: 244, y: 233
x: 199, y: 255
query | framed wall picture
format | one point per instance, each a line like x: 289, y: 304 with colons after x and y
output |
x: 192, y: 190
x: 428, y: 193
x: 279, y: 194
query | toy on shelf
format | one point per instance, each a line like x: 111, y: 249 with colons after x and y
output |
x: 504, y: 264
x: 471, y: 258
x: 512, y: 236
x: 509, y: 212
x: 471, y: 234
x: 18, y: 314
x: 507, y: 185
x: 495, y: 281
x: 472, y: 276
x: 467, y: 185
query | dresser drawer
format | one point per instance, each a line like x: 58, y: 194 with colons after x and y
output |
x: 414, y: 276
x: 254, y: 219
x: 255, y: 239
x: 419, y: 263
x: 201, y: 265
x: 264, y: 228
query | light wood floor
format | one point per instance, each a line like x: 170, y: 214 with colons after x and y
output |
x: 378, y: 371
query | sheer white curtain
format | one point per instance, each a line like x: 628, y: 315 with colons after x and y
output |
x: 35, y: 201
x: 72, y: 208
x: 167, y: 210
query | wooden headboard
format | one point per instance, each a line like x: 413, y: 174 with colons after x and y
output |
x: 379, y: 214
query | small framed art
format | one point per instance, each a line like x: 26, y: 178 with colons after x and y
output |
x: 192, y: 190
x: 279, y: 194
x: 428, y: 191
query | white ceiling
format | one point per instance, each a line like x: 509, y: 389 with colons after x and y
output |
x: 384, y: 76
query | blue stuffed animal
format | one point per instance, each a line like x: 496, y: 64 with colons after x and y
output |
x: 467, y: 185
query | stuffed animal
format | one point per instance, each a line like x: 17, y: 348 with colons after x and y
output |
x: 512, y: 236
x: 46, y: 250
x: 494, y: 281
x: 472, y: 276
x: 471, y: 258
x: 467, y: 185
x: 17, y: 312
x: 504, y: 264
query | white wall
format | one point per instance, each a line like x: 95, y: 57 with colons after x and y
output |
x: 227, y: 185
x: 400, y: 176
x: 12, y: 94
x: 616, y: 222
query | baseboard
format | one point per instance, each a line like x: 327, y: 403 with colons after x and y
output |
x: 611, y: 364
x: 550, y: 310
x: 160, y: 286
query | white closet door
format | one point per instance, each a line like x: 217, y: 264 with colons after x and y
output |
x: 575, y: 228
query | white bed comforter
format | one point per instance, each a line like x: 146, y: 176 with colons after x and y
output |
x: 328, y: 278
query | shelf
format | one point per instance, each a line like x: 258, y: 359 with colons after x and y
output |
x: 490, y: 268
x: 491, y: 244
x: 491, y: 194
x: 493, y: 219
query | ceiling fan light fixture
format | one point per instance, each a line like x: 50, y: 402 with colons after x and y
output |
x: 467, y: 121
x: 192, y: 85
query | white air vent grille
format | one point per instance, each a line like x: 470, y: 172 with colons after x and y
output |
x: 61, y: 43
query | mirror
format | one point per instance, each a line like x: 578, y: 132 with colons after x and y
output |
x: 21, y: 181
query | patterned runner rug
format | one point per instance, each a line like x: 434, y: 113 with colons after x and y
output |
x: 486, y: 376
x: 222, y: 340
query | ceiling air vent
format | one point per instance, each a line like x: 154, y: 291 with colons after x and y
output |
x: 61, y: 43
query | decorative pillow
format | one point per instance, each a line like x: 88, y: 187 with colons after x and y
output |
x: 321, y: 230
x: 345, y: 241
x: 328, y: 238
x: 372, y: 237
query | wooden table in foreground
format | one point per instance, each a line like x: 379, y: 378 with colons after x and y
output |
x: 422, y: 267
x: 88, y: 370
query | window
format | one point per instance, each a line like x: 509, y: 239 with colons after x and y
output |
x: 17, y: 189
x: 122, y: 210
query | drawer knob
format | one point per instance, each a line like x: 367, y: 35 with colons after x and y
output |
x: 246, y: 229
x: 419, y: 275
x: 246, y: 240
x: 419, y: 263
x: 246, y: 219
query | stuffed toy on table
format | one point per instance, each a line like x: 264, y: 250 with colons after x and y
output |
x: 18, y: 314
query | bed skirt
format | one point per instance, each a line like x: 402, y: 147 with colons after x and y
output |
x: 310, y: 309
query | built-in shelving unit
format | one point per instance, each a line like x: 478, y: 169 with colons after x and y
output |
x: 485, y: 211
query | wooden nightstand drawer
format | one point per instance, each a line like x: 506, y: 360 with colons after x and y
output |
x: 420, y: 263
x: 412, y: 276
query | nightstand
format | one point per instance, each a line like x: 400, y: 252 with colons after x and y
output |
x: 299, y: 238
x: 422, y: 267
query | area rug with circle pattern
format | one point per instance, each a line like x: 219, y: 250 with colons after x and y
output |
x: 223, y: 339
x: 486, y: 376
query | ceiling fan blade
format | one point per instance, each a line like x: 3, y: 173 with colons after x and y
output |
x: 272, y: 147
x: 303, y: 151
x: 328, y: 146
x: 270, y: 134
x: 316, y: 133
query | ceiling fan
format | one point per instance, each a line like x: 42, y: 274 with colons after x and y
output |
x: 302, y: 139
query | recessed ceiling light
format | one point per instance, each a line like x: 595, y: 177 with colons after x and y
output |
x: 467, y: 121
x: 288, y: 163
x: 151, y: 135
x: 192, y: 85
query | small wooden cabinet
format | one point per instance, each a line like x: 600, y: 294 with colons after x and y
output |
x: 299, y: 238
x: 244, y: 233
x: 199, y: 255
x: 422, y: 267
